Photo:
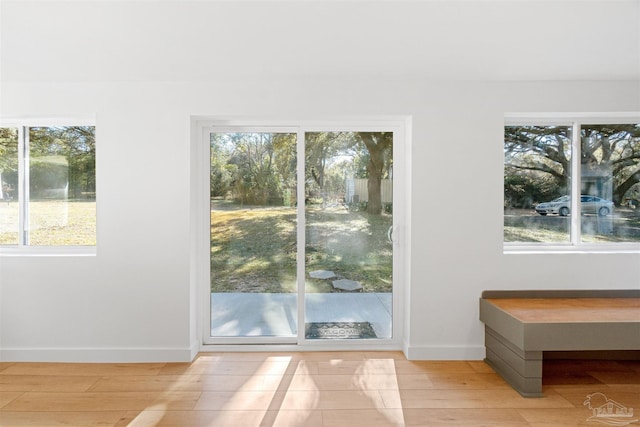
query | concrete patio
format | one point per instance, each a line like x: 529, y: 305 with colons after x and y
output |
x: 275, y: 314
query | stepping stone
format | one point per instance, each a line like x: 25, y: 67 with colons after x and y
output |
x: 322, y: 274
x: 347, y: 285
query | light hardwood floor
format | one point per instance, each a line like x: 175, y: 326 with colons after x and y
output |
x: 305, y: 389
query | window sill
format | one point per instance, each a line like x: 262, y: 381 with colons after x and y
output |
x: 624, y: 248
x: 28, y: 251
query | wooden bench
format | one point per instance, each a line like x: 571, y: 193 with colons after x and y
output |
x: 520, y: 326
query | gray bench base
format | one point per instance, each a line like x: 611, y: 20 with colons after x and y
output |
x: 521, y: 369
x: 515, y: 349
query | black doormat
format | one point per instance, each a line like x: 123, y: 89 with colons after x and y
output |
x: 333, y: 330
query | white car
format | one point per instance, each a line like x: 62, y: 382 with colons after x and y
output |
x: 588, y: 204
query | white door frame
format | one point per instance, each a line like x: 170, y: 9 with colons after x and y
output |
x: 200, y: 216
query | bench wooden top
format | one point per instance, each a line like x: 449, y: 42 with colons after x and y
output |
x: 561, y: 310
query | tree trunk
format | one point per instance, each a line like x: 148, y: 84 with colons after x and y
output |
x: 374, y: 205
x: 376, y: 143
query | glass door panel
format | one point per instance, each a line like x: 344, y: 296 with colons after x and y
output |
x: 253, y: 235
x: 348, y: 248
x: 9, y: 187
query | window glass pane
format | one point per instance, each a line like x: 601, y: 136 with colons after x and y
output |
x: 349, y: 251
x: 253, y: 234
x: 537, y: 173
x: 62, y: 186
x: 610, y: 183
x: 9, y: 186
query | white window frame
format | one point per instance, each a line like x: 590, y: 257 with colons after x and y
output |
x: 201, y: 126
x: 575, y: 121
x: 22, y: 248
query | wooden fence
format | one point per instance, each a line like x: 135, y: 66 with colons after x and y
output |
x: 357, y: 190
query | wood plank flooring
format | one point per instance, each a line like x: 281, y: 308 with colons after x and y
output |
x: 319, y: 389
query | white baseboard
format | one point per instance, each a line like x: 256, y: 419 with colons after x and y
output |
x: 445, y: 352
x: 195, y: 349
x: 98, y: 355
x: 159, y: 355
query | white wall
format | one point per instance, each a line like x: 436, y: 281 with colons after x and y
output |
x: 144, y: 68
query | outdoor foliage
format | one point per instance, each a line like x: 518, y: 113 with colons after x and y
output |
x: 8, y: 162
x: 540, y: 156
x: 61, y: 176
x: 254, y: 250
x: 379, y: 145
x: 53, y: 223
x: 329, y: 158
x: 351, y: 244
x: 62, y: 160
x: 260, y: 168
x: 254, y: 219
x: 523, y: 189
x: 537, y: 168
x: 254, y: 168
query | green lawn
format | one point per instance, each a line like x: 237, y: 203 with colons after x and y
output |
x: 522, y: 225
x: 51, y: 222
x: 253, y: 249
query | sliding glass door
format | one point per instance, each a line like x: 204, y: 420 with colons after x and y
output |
x: 348, y: 250
x: 301, y: 241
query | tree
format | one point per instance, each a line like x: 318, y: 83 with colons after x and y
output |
x: 545, y: 149
x: 220, y: 173
x: 379, y: 146
x: 319, y: 149
x: 63, y: 154
x: 323, y: 153
x: 257, y: 168
x: 608, y: 153
x: 8, y: 161
x: 615, y: 150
